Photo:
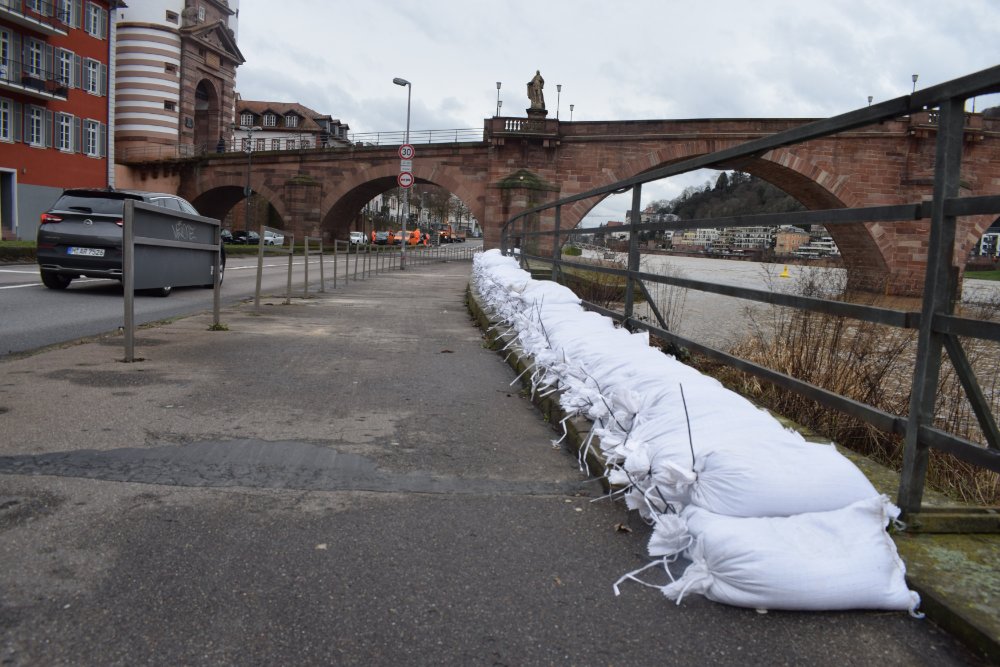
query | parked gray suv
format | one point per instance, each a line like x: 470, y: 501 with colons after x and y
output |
x: 81, y: 235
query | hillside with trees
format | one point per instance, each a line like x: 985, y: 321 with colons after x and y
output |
x: 734, y: 193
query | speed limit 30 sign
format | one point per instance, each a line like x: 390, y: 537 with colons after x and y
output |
x: 406, y: 152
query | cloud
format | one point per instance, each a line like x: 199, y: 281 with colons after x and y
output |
x: 643, y: 59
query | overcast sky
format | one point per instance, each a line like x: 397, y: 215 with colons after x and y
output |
x: 631, y: 59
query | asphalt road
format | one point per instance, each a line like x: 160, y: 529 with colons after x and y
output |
x: 33, y: 316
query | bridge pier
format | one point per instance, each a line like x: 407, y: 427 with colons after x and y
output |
x: 304, y: 195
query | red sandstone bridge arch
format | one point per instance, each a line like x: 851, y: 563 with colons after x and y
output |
x: 225, y: 190
x: 347, y: 196
x: 319, y: 192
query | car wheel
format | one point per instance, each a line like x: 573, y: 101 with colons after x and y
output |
x: 55, y: 280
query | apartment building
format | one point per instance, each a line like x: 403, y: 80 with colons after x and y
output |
x: 56, y: 65
x: 281, y: 126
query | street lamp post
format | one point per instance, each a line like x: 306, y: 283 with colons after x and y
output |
x: 249, y: 129
x: 914, y: 79
x: 406, y: 191
x: 498, y: 98
x: 571, y: 113
x: 558, y: 95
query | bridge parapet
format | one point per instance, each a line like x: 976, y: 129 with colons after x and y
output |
x: 499, y: 129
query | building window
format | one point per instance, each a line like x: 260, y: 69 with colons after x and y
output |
x: 5, y: 120
x: 36, y: 124
x: 246, y: 119
x: 64, y: 59
x: 275, y: 144
x: 291, y: 120
x: 91, y: 138
x: 172, y: 17
x: 246, y: 145
x: 170, y: 105
x: 96, y: 21
x: 290, y: 144
x: 64, y: 132
x: 65, y: 12
x: 260, y: 144
x: 270, y: 120
x: 92, y: 76
x: 5, y: 72
x: 35, y: 60
x: 305, y: 143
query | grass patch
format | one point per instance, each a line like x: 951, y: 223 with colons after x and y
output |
x: 983, y: 275
x: 17, y: 251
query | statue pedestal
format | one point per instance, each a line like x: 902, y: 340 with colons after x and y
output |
x: 539, y: 114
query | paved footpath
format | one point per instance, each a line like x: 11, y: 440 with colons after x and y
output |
x: 346, y: 480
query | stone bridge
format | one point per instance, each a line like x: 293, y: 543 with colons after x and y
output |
x: 525, y: 162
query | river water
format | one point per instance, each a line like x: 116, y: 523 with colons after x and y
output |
x: 721, y: 321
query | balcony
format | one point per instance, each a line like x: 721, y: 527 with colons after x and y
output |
x: 41, y: 17
x: 33, y: 82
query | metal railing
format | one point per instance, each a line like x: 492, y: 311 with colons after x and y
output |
x: 283, y: 250
x: 304, y: 142
x: 23, y: 75
x: 41, y: 12
x: 938, y: 328
x: 306, y: 247
x: 397, y: 137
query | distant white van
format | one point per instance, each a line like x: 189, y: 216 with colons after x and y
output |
x: 358, y: 238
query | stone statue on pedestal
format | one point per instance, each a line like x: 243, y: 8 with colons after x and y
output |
x: 535, y: 91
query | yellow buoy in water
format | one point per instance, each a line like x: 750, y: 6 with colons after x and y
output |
x: 785, y: 274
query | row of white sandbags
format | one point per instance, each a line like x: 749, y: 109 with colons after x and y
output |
x: 677, y: 439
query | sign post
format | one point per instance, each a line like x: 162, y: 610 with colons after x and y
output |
x: 405, y: 181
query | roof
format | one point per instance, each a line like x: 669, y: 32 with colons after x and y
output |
x: 282, y: 109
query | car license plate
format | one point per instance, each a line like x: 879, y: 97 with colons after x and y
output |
x: 89, y: 252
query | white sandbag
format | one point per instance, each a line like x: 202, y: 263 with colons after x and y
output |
x: 547, y: 292
x: 772, y: 479
x: 842, y: 559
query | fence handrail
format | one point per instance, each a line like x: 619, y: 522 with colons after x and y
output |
x: 937, y: 327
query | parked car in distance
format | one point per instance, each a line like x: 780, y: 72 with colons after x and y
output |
x: 273, y: 238
x: 226, y: 236
x: 81, y: 234
x: 382, y: 238
x: 357, y: 238
x: 243, y: 237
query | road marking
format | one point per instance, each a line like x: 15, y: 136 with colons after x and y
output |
x: 76, y: 280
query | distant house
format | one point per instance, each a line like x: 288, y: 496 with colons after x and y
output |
x: 989, y: 244
x: 286, y: 126
x: 695, y: 239
x: 788, y: 239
